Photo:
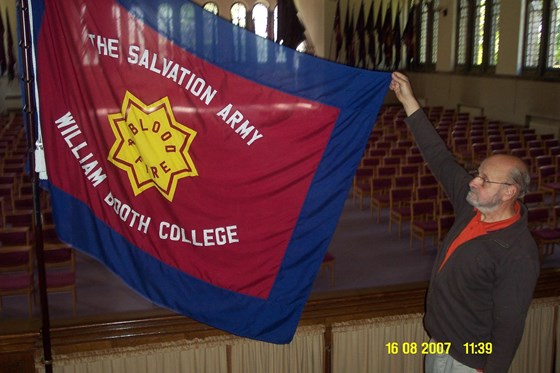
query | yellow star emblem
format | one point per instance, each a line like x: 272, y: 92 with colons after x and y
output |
x: 151, y: 146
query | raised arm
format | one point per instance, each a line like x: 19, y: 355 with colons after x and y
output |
x: 403, y: 90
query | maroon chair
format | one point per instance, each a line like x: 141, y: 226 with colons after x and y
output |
x: 399, y: 206
x: 361, y: 186
x: 380, y: 187
x: 16, y: 236
x: 548, y: 237
x: 423, y: 222
x: 17, y: 284
x: 63, y: 281
x: 16, y: 258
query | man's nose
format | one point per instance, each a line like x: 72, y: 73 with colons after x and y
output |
x: 475, y: 182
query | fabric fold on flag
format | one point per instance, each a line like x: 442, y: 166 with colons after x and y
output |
x: 204, y: 165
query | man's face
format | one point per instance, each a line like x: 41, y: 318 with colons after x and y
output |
x: 488, y: 187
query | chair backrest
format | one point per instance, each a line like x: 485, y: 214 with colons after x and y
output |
x: 430, y: 192
x: 408, y: 180
x: 392, y: 160
x: 414, y: 159
x: 17, y: 236
x: 538, y: 217
x: 399, y: 197
x: 546, y: 174
x: 381, y: 184
x: 387, y: 170
x: 533, y: 199
x: 16, y: 258
x: 544, y: 160
x: 445, y: 207
x: 556, y: 216
x: 59, y: 256
x: 409, y: 169
x: 425, y: 180
x: 23, y: 218
x: 445, y: 222
x: 422, y: 210
x: 370, y: 162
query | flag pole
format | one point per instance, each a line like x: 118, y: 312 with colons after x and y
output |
x: 29, y: 111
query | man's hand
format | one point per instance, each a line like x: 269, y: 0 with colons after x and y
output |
x: 401, y: 86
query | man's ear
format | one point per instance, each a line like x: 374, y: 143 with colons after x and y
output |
x: 511, y: 192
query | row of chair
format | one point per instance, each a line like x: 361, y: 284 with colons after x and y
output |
x: 17, y: 227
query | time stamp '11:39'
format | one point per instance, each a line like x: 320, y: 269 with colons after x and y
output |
x: 431, y: 348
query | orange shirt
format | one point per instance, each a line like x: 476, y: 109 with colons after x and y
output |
x: 477, y: 228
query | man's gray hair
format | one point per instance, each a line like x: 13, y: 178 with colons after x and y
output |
x: 521, y: 177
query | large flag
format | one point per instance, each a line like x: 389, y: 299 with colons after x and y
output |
x: 206, y: 169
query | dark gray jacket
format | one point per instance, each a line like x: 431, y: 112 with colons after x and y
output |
x: 483, y: 292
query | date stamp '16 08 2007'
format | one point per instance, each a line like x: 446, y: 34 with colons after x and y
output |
x: 433, y: 347
x: 413, y: 348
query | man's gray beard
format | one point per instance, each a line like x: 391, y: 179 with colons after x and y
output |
x: 486, y: 208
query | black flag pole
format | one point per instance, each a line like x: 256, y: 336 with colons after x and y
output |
x: 29, y: 112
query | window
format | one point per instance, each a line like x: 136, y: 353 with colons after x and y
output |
x: 553, y: 55
x: 478, y: 35
x: 239, y: 14
x: 428, y: 30
x: 542, y: 38
x: 211, y: 7
x: 260, y: 19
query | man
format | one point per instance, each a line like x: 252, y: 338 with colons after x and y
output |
x: 484, y: 275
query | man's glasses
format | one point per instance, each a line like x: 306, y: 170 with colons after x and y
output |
x: 475, y: 175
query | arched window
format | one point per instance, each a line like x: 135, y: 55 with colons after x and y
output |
x: 260, y: 19
x: 542, y: 38
x: 478, y: 39
x: 212, y: 7
x: 239, y: 14
x: 136, y: 27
